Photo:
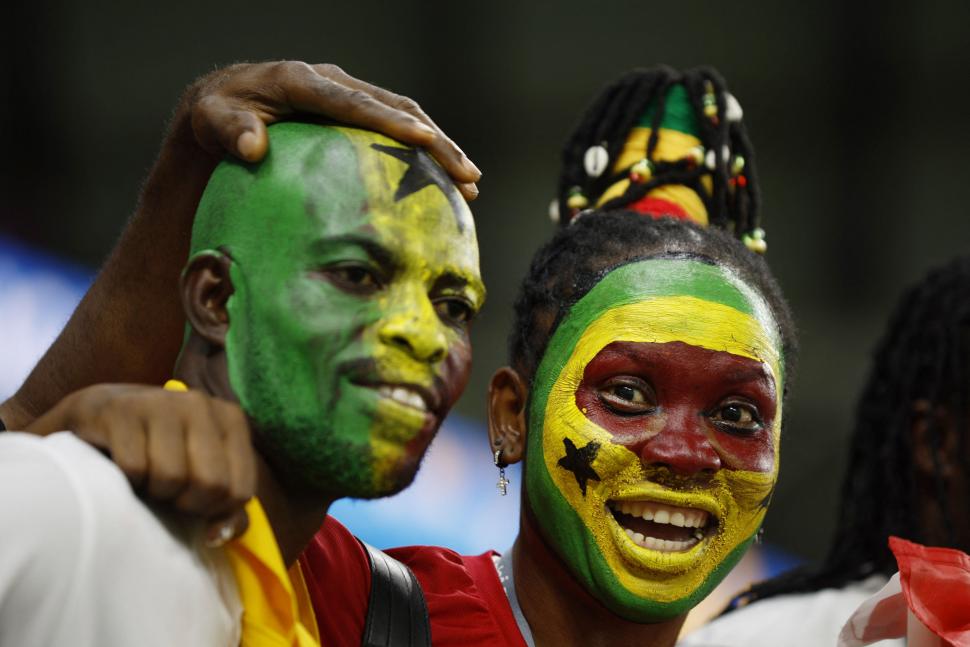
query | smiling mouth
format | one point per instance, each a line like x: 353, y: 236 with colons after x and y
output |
x: 662, y: 527
x: 406, y: 396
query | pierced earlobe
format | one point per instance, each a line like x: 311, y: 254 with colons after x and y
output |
x: 507, y: 398
x: 206, y: 286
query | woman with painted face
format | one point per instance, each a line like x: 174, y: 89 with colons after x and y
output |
x: 648, y: 363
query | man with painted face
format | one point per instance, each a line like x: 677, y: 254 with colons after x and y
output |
x: 342, y: 334
x: 649, y: 360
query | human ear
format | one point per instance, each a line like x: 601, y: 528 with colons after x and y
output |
x: 934, y: 441
x: 507, y: 398
x: 206, y: 287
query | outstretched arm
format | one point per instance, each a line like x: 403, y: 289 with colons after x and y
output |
x: 128, y: 327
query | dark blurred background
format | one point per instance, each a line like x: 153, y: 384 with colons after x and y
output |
x: 858, y: 116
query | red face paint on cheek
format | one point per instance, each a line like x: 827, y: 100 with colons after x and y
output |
x: 707, y: 409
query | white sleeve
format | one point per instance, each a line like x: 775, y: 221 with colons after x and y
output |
x: 85, y: 563
x: 42, y: 528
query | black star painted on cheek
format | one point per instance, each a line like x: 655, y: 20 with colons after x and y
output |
x: 422, y: 171
x: 580, y: 462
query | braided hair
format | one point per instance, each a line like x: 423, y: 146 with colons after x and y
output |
x: 721, y: 171
x: 924, y: 355
x: 578, y: 256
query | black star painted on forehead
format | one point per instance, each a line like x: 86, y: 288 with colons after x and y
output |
x: 580, y: 462
x: 423, y: 171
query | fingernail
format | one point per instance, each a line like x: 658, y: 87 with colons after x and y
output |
x: 219, y: 535
x: 247, y: 145
x: 470, y: 190
x: 471, y: 168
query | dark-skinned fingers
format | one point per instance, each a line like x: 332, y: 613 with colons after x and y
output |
x: 239, y: 452
x: 208, y: 466
x: 318, y: 95
x: 441, y: 147
x: 469, y: 191
x: 219, y: 531
x: 167, y: 461
x: 126, y: 442
x: 225, y: 125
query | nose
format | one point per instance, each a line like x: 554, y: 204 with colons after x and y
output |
x: 682, y: 446
x: 415, y: 329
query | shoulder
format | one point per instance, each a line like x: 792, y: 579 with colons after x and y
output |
x: 803, y: 619
x: 79, y: 546
x: 466, y: 601
x: 47, y: 486
x: 337, y: 576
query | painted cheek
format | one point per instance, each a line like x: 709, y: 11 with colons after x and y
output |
x: 456, y: 369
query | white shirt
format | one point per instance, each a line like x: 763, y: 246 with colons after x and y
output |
x: 797, y: 620
x: 83, y: 562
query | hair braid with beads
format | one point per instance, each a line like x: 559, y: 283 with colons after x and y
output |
x: 924, y: 355
x: 733, y: 202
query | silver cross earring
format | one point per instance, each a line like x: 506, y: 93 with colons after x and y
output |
x: 503, y: 483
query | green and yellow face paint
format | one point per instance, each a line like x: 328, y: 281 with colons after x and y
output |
x: 654, y: 433
x: 355, y: 271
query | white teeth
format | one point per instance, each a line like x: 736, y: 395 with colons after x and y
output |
x: 405, y: 396
x: 662, y: 545
x: 692, y: 519
x: 661, y: 513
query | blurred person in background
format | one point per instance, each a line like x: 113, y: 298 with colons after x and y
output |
x: 907, y: 475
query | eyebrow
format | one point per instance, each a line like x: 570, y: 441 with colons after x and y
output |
x: 451, y: 280
x: 375, y: 250
x: 749, y: 374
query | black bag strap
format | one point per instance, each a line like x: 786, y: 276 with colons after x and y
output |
x: 397, y: 615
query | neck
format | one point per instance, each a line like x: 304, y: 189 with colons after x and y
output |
x: 293, y: 513
x: 561, y: 612
x: 294, y: 516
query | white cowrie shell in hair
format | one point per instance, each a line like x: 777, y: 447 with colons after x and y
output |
x: 733, y: 107
x: 554, y: 210
x: 595, y: 160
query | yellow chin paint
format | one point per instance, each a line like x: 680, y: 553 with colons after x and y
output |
x: 689, y: 302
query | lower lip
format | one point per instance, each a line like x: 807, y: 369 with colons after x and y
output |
x: 623, y: 538
x: 428, y: 428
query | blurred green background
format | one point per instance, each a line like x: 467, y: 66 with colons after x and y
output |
x: 858, y: 114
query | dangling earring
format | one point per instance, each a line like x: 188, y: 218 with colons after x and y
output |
x: 503, y: 483
x: 759, y: 537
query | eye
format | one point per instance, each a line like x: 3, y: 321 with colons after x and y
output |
x: 628, y: 396
x: 353, y: 277
x: 737, y: 417
x: 454, y: 310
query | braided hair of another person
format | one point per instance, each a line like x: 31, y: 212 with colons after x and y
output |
x: 921, y: 364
